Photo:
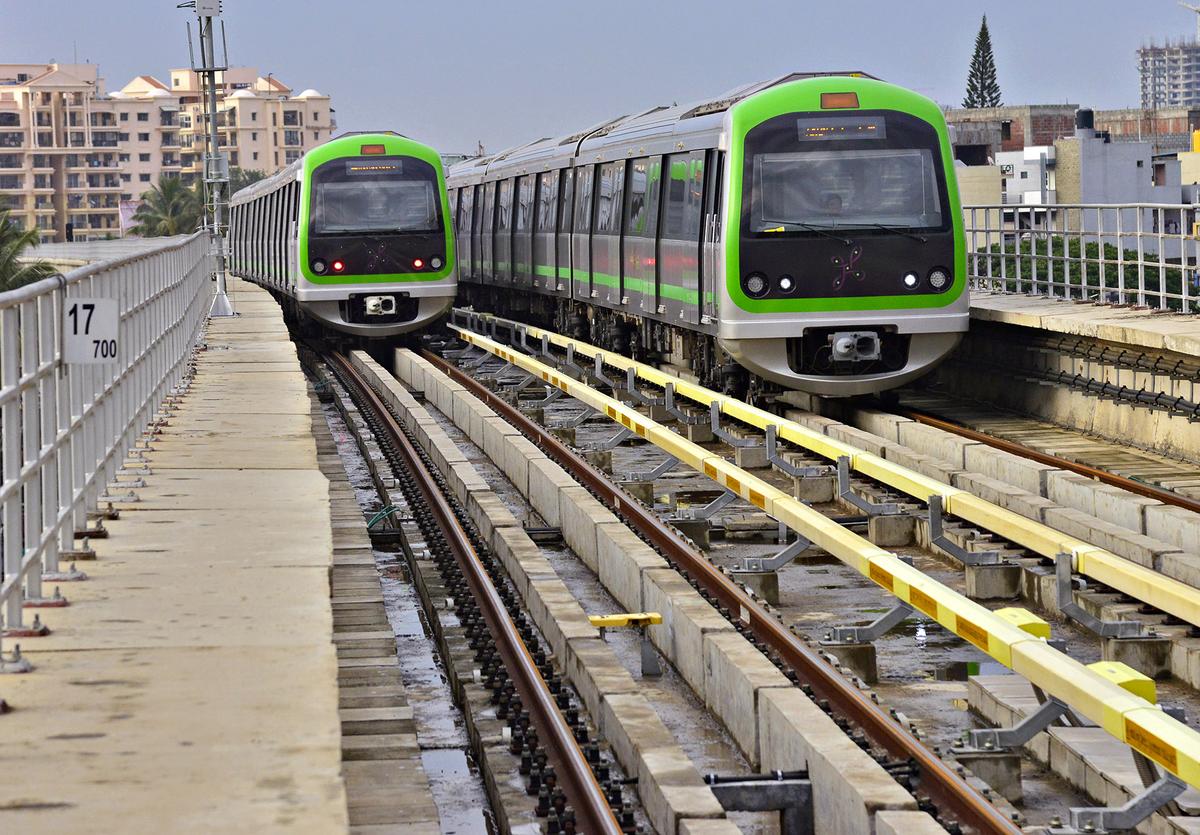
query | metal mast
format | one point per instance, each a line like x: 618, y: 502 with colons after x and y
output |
x: 216, y: 164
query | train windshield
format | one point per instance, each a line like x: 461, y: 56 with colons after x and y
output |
x: 364, y: 195
x: 811, y: 172
x: 867, y: 187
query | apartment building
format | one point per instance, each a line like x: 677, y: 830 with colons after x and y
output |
x: 75, y: 159
x: 1170, y: 74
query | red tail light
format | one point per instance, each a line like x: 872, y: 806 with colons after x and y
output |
x: 338, y: 266
x: 418, y: 264
x: 372, y: 149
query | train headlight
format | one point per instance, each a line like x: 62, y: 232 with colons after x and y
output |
x: 435, y: 263
x: 756, y: 285
x: 319, y: 266
x: 911, y: 280
x: 786, y: 283
x: 938, y: 278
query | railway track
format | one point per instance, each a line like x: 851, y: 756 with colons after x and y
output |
x: 1139, y: 472
x: 587, y: 805
x: 764, y: 622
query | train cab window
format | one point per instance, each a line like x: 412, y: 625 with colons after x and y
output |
x: 547, y: 200
x: 376, y: 195
x: 524, y: 207
x: 684, y: 196
x: 641, y: 219
x: 608, y: 198
x: 583, y: 198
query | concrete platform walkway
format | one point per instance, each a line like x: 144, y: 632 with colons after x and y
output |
x: 191, y: 685
x: 1144, y: 328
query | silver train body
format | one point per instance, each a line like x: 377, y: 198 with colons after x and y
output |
x: 522, y: 233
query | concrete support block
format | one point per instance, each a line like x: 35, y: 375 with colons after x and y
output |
x: 850, y: 789
x: 1175, y: 525
x: 1122, y: 507
x: 687, y: 619
x: 865, y: 441
x: 521, y: 557
x: 580, y: 513
x: 557, y: 613
x: 488, y: 513
x: 999, y: 769
x: 993, y: 582
x: 765, y: 584
x: 896, y: 822
x: 546, y: 481
x: 622, y: 558
x: 566, y: 434
x: 535, y: 413
x: 629, y: 725
x: 1008, y: 468
x: 671, y: 788
x: 750, y: 457
x: 700, y: 433
x: 1029, y: 505
x: 600, y: 459
x: 892, y: 531
x: 643, y: 491
x: 696, y: 826
x: 1135, y: 547
x: 694, y: 529
x: 817, y: 489
x: 883, y: 424
x: 1183, y: 567
x: 926, y: 465
x: 1072, y: 490
x: 597, y: 675
x: 930, y: 441
x: 1150, y: 656
x: 858, y: 658
x: 519, y: 453
x: 496, y: 435
x: 735, y: 672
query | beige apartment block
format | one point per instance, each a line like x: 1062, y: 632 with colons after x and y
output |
x: 76, y: 158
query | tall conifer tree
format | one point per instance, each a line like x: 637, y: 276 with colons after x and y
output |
x: 982, y: 87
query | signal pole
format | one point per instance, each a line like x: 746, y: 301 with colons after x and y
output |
x: 216, y: 164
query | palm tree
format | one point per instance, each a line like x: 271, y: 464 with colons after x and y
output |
x: 239, y: 178
x: 168, y: 208
x: 13, y: 241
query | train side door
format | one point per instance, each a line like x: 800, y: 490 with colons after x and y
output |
x: 581, y: 239
x: 566, y: 208
x: 710, y: 268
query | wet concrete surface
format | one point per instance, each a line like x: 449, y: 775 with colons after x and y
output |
x: 454, y: 778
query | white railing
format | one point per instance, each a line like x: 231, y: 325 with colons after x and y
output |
x: 1142, y: 254
x: 65, y: 430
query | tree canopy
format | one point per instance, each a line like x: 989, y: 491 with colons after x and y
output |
x: 982, y: 88
x: 168, y: 208
x: 14, y: 241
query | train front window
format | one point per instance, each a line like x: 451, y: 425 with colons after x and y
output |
x: 375, y: 195
x: 808, y: 173
x: 868, y: 187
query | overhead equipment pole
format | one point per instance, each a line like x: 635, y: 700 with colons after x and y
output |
x: 216, y: 164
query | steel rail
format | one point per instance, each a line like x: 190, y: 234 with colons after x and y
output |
x: 574, y: 774
x: 1133, y: 486
x: 953, y: 796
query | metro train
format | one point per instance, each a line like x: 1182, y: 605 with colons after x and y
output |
x: 353, y: 236
x: 803, y: 232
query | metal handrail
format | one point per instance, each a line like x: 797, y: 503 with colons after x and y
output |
x: 65, y: 430
x: 1141, y: 254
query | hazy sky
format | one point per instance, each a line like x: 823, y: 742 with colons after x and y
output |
x: 452, y: 73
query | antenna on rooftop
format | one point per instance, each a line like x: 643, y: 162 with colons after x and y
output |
x: 1195, y: 9
x: 216, y: 164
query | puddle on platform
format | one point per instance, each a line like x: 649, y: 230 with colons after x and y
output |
x: 454, y: 781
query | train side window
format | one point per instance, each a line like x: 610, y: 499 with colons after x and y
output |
x: 547, y: 194
x: 566, y: 200
x: 524, y: 207
x: 466, y: 211
x: 608, y: 198
x: 504, y: 207
x: 583, y: 198
x: 642, y: 199
x: 685, y: 196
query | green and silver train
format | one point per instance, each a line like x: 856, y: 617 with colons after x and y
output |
x: 803, y: 232
x: 354, y: 235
